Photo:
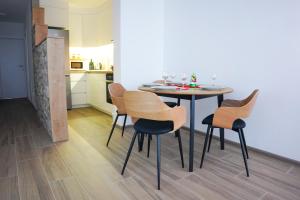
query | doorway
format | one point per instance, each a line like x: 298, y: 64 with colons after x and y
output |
x: 13, y: 83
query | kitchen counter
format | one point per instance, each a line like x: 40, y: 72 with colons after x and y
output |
x: 91, y: 71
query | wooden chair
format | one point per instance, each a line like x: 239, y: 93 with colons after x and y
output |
x: 169, y: 103
x: 116, y: 92
x: 229, y: 116
x: 152, y: 116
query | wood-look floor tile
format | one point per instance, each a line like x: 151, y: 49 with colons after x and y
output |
x: 25, y: 148
x: 282, y: 185
x: 295, y: 171
x: 265, y: 160
x: 41, y: 138
x: 68, y: 189
x: 136, y: 191
x: 219, y: 166
x: 269, y: 196
x: 53, y: 164
x: 9, y: 188
x: 33, y: 182
x: 205, y: 189
x: 233, y: 185
x: 8, y: 161
x: 4, y: 137
x: 95, y: 175
x: 84, y: 168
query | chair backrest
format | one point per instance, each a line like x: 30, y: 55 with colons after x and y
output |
x: 147, y: 105
x: 248, y: 104
x: 116, y: 91
x: 227, y: 114
x: 140, y: 104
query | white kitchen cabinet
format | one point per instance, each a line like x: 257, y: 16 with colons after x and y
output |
x: 75, y: 27
x: 96, y: 92
x: 91, y: 28
x: 78, y: 76
x: 79, y: 100
x: 79, y: 89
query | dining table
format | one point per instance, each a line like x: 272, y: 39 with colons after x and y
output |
x: 192, y: 94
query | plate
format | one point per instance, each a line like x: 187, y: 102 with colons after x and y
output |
x: 164, y: 87
x: 212, y: 87
x: 173, y: 83
x: 152, y: 84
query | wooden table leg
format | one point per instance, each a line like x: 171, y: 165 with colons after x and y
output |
x: 192, y: 132
x: 220, y: 100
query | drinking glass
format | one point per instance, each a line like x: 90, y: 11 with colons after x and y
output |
x: 165, y: 76
x: 183, y: 78
x: 213, y: 78
x: 172, y: 76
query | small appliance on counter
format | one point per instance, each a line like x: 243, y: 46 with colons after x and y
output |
x: 76, y: 65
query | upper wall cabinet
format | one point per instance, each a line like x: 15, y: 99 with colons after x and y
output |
x: 75, y: 27
x: 56, y: 12
x: 91, y: 27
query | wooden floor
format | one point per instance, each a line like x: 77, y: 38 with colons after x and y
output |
x: 31, y: 167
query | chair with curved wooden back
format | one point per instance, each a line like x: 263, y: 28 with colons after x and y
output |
x: 116, y: 91
x: 152, y: 116
x: 169, y: 103
x: 230, y: 116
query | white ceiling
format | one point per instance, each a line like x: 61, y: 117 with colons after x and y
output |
x: 13, y: 10
x: 86, y: 3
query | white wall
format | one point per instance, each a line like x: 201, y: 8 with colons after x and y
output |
x: 139, y: 44
x: 248, y: 44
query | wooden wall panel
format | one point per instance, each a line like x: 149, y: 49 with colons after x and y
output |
x: 41, y: 33
x: 38, y: 16
x: 57, y: 88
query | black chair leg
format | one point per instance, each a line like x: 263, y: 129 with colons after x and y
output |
x: 149, y: 143
x: 245, y: 144
x: 204, y: 146
x: 141, y: 142
x: 177, y: 133
x: 243, y: 151
x: 124, y: 124
x: 210, y: 138
x: 158, y: 161
x: 112, y: 129
x: 129, y: 151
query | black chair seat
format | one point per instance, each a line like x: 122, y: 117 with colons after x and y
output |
x: 153, y: 127
x: 171, y: 104
x: 208, y: 120
x: 237, y: 124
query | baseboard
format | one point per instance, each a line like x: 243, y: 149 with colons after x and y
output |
x: 101, y: 110
x: 296, y: 162
x: 80, y: 106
